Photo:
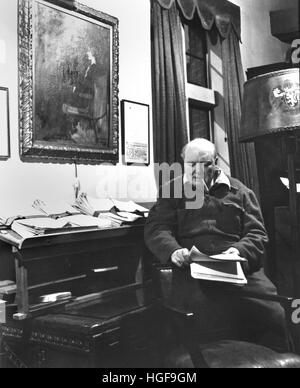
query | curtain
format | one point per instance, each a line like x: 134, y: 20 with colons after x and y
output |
x: 242, y: 156
x: 169, y: 100
x: 221, y: 13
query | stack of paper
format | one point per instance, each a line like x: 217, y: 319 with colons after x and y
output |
x: 35, y: 208
x: 118, y: 211
x: 120, y: 218
x: 7, y: 216
x: 31, y: 227
x: 220, y: 268
x: 59, y: 208
x: 129, y: 207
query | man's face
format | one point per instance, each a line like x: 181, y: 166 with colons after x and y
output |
x: 199, y: 166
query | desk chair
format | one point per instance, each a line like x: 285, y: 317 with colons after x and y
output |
x: 217, y: 349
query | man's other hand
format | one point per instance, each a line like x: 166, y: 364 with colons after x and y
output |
x: 181, y: 257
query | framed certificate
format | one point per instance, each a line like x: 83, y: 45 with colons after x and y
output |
x: 135, y: 133
x: 4, y: 124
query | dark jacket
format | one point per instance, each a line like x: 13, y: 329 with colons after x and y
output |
x: 230, y: 217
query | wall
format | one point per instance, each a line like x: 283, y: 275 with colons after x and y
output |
x: 259, y: 47
x: 22, y: 182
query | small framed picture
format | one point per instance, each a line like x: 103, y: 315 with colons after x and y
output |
x: 135, y: 133
x: 4, y: 124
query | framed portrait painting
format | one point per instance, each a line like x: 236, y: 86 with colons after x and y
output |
x: 68, y: 74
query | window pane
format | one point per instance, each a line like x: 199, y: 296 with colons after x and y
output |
x: 199, y: 121
x: 195, y: 40
x: 196, y: 50
x: 196, y: 71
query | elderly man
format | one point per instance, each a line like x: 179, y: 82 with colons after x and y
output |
x: 228, y: 219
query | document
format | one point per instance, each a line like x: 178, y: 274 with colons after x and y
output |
x: 197, y: 256
x: 129, y: 206
x: 57, y: 208
x: 219, y: 268
x: 119, y: 210
x: 31, y: 227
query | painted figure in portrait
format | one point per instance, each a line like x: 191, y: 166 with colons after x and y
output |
x: 72, y: 62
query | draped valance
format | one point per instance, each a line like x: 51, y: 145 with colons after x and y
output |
x: 222, y: 13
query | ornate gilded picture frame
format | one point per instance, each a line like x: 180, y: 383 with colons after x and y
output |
x: 68, y: 83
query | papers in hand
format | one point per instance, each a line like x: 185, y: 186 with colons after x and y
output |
x: 220, y: 268
x: 197, y: 256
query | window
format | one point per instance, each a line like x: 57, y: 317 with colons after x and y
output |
x: 200, y: 99
x: 199, y: 120
x: 196, y: 52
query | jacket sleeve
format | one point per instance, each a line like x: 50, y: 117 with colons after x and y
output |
x: 160, y: 230
x: 254, y: 236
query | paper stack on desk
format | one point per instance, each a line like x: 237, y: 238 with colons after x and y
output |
x: 31, y: 227
x: 35, y: 208
x: 219, y: 268
x: 119, y: 212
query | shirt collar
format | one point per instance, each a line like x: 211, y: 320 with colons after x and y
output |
x: 221, y: 179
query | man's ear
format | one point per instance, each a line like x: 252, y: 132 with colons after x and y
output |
x: 216, y: 160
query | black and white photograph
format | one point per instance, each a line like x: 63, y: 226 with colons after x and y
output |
x: 150, y: 187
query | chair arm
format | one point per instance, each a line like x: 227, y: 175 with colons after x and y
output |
x: 176, y: 311
x: 284, y: 300
x: 240, y: 292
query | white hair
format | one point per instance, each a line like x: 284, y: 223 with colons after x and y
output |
x: 199, y: 143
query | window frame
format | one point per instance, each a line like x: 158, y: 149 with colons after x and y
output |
x: 196, y: 94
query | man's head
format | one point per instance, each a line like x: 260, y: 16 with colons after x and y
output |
x: 200, y: 158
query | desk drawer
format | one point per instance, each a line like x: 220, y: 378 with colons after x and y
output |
x: 84, y: 274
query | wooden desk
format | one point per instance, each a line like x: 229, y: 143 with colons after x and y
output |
x: 110, y: 312
x: 75, y: 261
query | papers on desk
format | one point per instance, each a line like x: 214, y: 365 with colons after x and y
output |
x: 220, y: 268
x: 31, y: 227
x: 102, y: 213
x: 129, y: 207
x: 7, y: 216
x: 35, y: 208
x: 90, y: 206
x: 59, y: 208
x: 116, y: 211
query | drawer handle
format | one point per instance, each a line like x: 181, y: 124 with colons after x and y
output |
x: 114, y: 344
x: 102, y: 270
x: 109, y: 331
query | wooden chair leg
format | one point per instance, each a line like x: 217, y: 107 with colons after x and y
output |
x: 184, y: 328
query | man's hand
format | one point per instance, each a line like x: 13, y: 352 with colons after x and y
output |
x: 245, y: 264
x: 232, y: 251
x: 181, y: 257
